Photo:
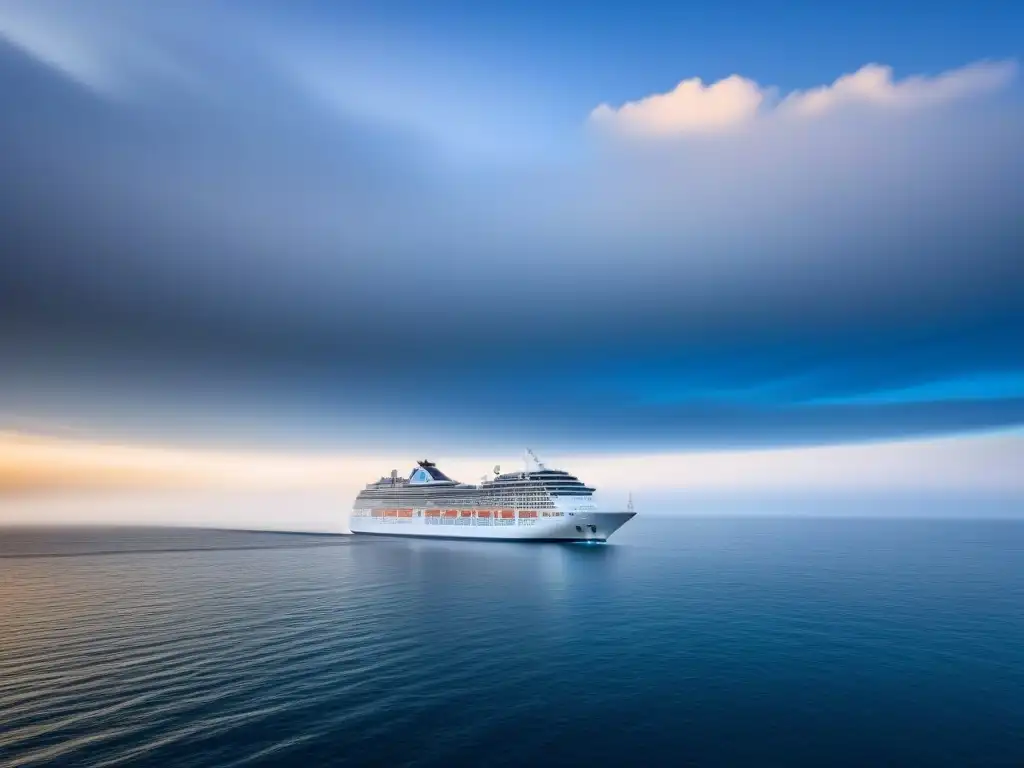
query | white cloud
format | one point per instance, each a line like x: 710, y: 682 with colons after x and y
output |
x: 734, y: 102
x: 874, y: 84
x: 691, y: 107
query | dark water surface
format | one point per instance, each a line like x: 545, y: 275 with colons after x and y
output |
x: 699, y: 641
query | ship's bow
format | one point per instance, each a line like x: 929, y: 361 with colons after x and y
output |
x: 598, y: 526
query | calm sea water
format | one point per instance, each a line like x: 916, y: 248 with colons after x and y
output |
x: 698, y: 641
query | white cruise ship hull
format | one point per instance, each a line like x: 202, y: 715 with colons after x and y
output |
x: 579, y: 526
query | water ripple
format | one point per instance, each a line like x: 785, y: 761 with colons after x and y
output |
x: 742, y: 643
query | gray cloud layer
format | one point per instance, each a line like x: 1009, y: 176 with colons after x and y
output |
x: 188, y: 203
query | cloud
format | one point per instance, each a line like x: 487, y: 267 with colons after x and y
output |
x: 690, y: 107
x: 59, y: 43
x: 268, y: 264
x: 120, y: 50
x: 116, y: 49
x: 874, y: 85
x: 734, y: 102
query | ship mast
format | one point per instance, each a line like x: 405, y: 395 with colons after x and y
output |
x: 629, y: 505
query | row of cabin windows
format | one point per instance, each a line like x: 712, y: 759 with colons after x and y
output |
x: 536, y: 490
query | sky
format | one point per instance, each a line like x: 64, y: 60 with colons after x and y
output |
x: 339, y: 231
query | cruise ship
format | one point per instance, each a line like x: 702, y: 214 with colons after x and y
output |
x: 536, y: 504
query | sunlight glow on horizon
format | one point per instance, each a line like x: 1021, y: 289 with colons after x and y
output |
x: 982, y: 461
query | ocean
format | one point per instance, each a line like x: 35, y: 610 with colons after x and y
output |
x: 698, y: 641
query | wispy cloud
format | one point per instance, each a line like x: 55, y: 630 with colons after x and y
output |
x: 874, y: 85
x: 116, y: 49
x: 73, y: 44
x: 694, y: 107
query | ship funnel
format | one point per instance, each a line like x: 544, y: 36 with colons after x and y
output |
x: 497, y: 469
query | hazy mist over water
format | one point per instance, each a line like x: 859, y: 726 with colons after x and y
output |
x: 711, y: 641
x: 327, y: 510
x: 309, y: 511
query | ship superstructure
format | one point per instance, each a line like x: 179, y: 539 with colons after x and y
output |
x: 536, y: 503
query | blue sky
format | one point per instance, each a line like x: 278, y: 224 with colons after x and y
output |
x: 614, y: 50
x: 462, y: 226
